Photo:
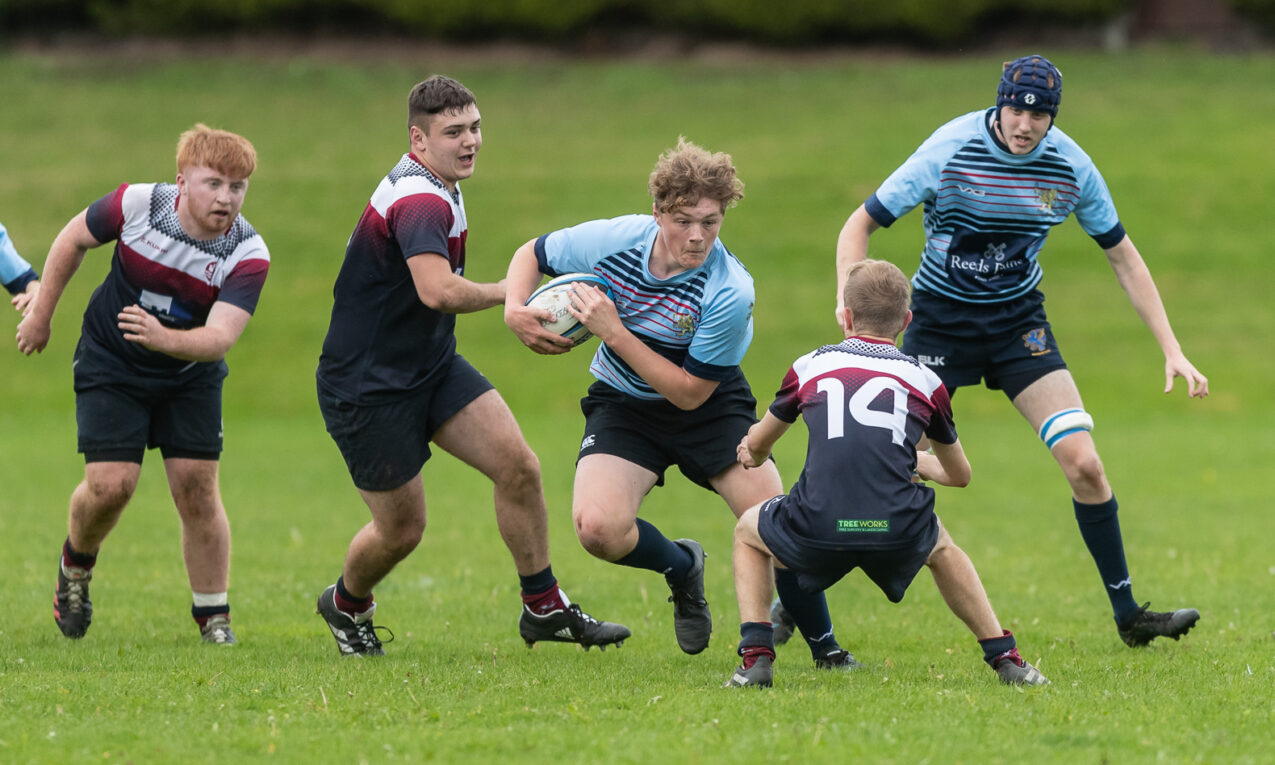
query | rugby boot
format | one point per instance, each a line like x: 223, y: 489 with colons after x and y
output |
x: 355, y: 634
x: 1149, y: 625
x: 72, y: 609
x: 784, y: 624
x: 757, y: 671
x: 570, y: 625
x: 692, y: 622
x: 837, y: 658
x: 1014, y: 670
x: 216, y: 630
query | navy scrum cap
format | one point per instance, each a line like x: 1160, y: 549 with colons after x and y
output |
x: 1030, y: 83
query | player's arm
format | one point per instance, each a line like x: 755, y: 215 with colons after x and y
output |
x: 22, y: 300
x: 852, y: 247
x: 1135, y: 278
x: 756, y: 445
x: 210, y: 342
x: 947, y: 466
x: 441, y: 289
x: 65, y: 256
x: 520, y: 281
x: 596, y: 311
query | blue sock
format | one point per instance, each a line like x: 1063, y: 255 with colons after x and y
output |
x: 1100, y: 528
x: 539, y: 583
x: 757, y: 635
x: 809, y: 610
x: 995, y: 648
x: 656, y: 552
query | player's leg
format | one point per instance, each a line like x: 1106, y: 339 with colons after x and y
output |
x: 193, y: 483
x: 112, y: 419
x: 963, y: 592
x: 806, y: 611
x: 485, y: 435
x: 1047, y: 401
x: 95, y: 508
x: 753, y: 564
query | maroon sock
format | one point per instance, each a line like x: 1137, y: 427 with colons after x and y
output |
x: 348, y: 603
x: 751, y: 653
x: 541, y: 603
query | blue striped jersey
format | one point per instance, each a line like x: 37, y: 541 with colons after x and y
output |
x: 988, y: 211
x: 701, y: 319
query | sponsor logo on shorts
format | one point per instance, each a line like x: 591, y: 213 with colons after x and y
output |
x: 587, y: 442
x: 1036, y: 342
x: 854, y: 525
x: 932, y: 361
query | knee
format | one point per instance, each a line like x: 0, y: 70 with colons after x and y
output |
x: 110, y: 492
x: 521, y: 474
x: 1085, y: 471
x: 403, y: 536
x: 597, y: 534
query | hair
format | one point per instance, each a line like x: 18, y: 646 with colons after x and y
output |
x: 229, y: 154
x: 877, y: 294
x: 688, y: 173
x: 438, y: 94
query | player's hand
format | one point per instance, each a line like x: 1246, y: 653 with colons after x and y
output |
x: 841, y: 318
x: 746, y: 456
x: 21, y: 302
x: 1178, y: 366
x: 524, y: 321
x: 141, y: 327
x: 595, y: 311
x: 33, y: 335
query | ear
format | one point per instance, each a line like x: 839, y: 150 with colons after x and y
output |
x: 906, y: 321
x: 416, y: 137
x: 848, y: 322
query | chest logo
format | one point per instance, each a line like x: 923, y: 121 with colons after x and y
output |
x: 1045, y: 199
x: 685, y: 324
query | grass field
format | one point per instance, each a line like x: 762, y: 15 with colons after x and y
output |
x: 1183, y: 140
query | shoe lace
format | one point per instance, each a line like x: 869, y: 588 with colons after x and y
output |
x: 75, y: 595
x: 367, y: 636
x: 580, y: 616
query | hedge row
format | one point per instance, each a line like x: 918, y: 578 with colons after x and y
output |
x: 948, y: 23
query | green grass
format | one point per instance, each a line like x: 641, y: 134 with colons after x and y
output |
x: 1180, y: 137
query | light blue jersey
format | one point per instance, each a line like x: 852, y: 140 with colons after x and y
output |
x: 988, y: 211
x: 701, y: 320
x: 15, y: 273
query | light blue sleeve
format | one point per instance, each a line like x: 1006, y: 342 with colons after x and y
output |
x: 578, y: 248
x: 917, y: 179
x: 12, y: 266
x: 1096, y: 212
x: 726, y: 326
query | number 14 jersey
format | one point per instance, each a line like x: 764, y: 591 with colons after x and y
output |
x: 866, y: 405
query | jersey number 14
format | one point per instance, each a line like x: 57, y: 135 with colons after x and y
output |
x: 894, y: 421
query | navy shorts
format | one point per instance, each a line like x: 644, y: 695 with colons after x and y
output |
x: 1010, y: 345
x: 386, y: 445
x: 120, y: 412
x: 818, y: 568
x: 656, y: 434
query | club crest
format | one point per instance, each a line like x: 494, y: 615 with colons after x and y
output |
x: 685, y: 324
x: 1035, y: 342
x: 1045, y: 199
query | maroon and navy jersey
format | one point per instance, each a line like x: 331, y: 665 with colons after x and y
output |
x: 160, y: 267
x: 383, y: 341
x: 866, y: 405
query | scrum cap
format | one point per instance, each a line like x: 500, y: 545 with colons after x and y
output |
x: 1030, y: 83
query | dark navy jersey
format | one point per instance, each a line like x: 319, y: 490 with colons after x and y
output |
x: 160, y: 267
x: 383, y: 341
x: 866, y: 405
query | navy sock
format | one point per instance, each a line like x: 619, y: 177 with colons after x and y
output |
x: 656, y: 552
x: 203, y: 613
x: 73, y: 559
x: 540, y: 592
x: 995, y: 648
x: 809, y: 610
x: 1100, y: 528
x: 757, y: 635
x: 350, y: 603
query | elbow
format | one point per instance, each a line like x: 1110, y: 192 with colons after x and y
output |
x: 962, y: 479
x: 688, y: 403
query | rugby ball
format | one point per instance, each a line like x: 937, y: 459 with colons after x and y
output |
x: 554, y: 296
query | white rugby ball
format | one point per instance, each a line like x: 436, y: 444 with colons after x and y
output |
x: 554, y: 296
